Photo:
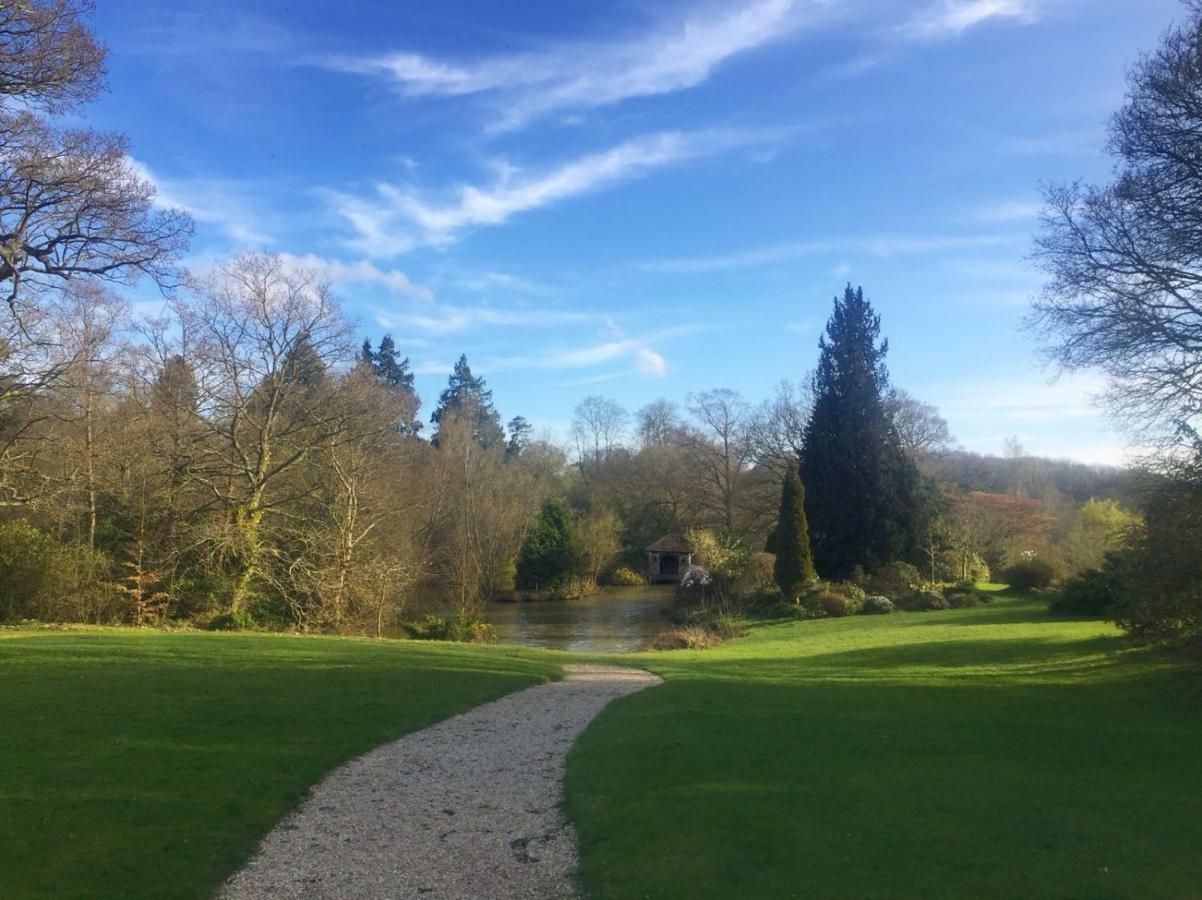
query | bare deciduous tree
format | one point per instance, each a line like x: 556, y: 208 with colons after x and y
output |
x: 1124, y: 260
x: 598, y: 427
x: 258, y: 336
x: 922, y: 430
x: 71, y: 201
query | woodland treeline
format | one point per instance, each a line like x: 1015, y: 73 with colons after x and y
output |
x: 244, y: 458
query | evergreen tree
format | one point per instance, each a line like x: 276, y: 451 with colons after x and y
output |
x: 519, y: 436
x: 860, y: 501
x: 551, y: 553
x: 395, y: 374
x: 794, y: 567
x: 467, y: 397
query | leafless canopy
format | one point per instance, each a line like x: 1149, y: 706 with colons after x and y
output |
x: 1125, y: 259
x: 48, y: 58
x: 71, y: 202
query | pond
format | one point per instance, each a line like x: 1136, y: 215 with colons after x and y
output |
x: 615, y: 620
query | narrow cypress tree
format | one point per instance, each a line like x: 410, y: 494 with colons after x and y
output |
x: 860, y: 501
x: 794, y: 566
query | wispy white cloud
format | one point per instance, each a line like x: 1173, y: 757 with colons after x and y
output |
x: 359, y: 271
x: 1088, y: 142
x: 949, y: 18
x: 450, y: 319
x: 579, y: 76
x: 881, y: 246
x: 223, y: 203
x: 1006, y: 211
x: 397, y: 218
x: 485, y: 282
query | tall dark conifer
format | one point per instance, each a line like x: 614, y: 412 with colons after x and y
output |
x: 394, y: 373
x: 860, y: 487
x: 794, y: 566
x: 468, y: 397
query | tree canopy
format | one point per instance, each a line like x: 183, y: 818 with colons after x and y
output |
x: 467, y: 397
x: 861, y: 486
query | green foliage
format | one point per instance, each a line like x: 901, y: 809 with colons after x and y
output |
x: 468, y: 398
x: 894, y: 580
x: 861, y: 487
x: 551, y: 555
x: 1090, y: 593
x: 239, y: 620
x: 1028, y: 574
x: 794, y: 565
x: 623, y: 576
x: 962, y: 598
x: 1099, y: 527
x: 463, y: 629
x: 394, y: 373
x: 955, y: 565
x: 27, y: 575
x: 924, y: 601
x: 718, y: 549
x: 52, y: 582
x: 875, y: 606
x: 1158, y: 578
x: 696, y: 629
x: 830, y: 604
x: 849, y: 589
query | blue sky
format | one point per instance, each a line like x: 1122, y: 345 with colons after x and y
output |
x: 647, y: 199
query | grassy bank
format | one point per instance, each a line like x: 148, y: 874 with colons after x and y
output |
x: 985, y: 752
x: 149, y: 764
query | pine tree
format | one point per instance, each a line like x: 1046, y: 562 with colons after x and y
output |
x: 794, y: 567
x: 519, y: 436
x: 467, y: 397
x: 396, y: 375
x: 551, y: 553
x: 860, y: 501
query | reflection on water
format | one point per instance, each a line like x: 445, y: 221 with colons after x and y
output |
x: 616, y: 620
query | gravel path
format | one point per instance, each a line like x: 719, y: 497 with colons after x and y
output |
x: 469, y: 808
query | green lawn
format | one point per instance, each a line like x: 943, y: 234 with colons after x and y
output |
x: 986, y: 752
x: 150, y: 764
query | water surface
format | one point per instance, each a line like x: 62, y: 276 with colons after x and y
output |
x: 615, y: 620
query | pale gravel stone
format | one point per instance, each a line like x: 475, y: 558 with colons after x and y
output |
x: 469, y: 808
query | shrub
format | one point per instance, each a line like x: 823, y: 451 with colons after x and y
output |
x: 875, y: 606
x: 624, y: 576
x: 951, y: 565
x: 959, y: 599
x: 685, y: 637
x: 894, y: 580
x: 696, y: 630
x: 465, y: 629
x: 758, y: 575
x: 1030, y: 574
x: 45, y: 580
x: 924, y: 601
x: 235, y: 621
x: 719, y: 550
x: 27, y: 576
x: 849, y: 589
x: 831, y: 605
x: 1091, y: 593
